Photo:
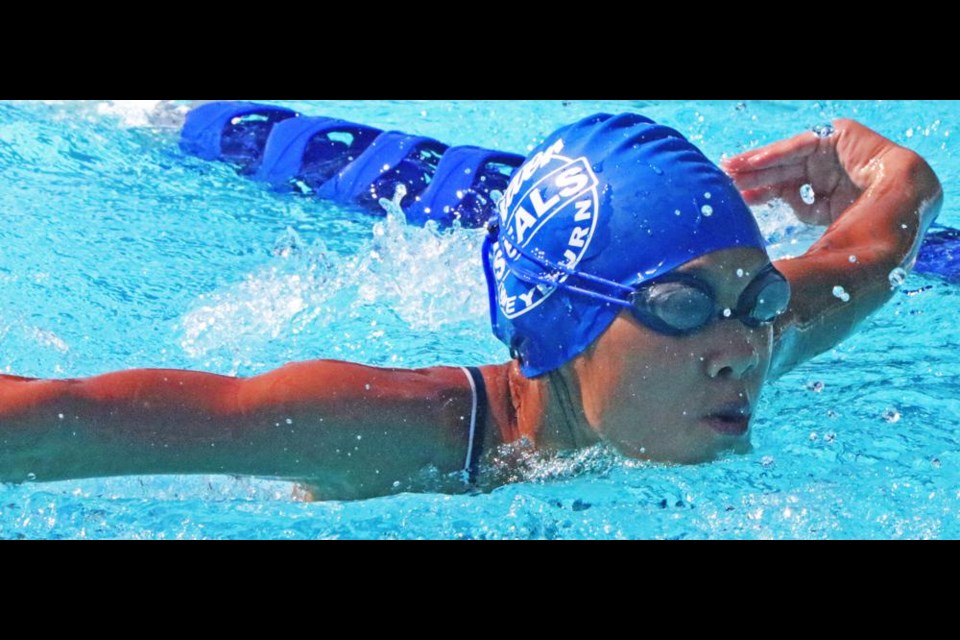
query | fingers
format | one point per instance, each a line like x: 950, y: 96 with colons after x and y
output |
x: 790, y: 152
x: 771, y: 177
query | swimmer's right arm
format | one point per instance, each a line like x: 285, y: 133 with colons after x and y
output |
x: 878, y: 199
x: 348, y: 429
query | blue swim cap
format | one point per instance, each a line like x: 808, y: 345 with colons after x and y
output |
x: 618, y: 198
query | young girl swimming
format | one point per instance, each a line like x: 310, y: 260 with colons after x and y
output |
x: 630, y: 282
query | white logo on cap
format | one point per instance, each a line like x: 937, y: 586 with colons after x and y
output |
x: 564, y: 197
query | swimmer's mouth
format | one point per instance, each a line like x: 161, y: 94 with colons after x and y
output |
x: 730, y: 420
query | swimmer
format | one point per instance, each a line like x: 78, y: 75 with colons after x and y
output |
x: 626, y: 275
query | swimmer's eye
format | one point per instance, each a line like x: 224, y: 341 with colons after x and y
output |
x: 766, y: 298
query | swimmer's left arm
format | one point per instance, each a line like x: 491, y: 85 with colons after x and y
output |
x: 878, y: 199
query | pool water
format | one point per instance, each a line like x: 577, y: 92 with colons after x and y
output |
x: 118, y: 251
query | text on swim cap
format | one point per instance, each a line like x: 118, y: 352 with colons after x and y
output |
x: 525, y: 172
x: 565, y: 201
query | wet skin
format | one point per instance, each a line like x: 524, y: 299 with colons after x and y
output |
x: 355, y: 431
x: 680, y: 399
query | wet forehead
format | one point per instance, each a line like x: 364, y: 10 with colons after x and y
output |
x: 728, y: 271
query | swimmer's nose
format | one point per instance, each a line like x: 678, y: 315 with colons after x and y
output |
x: 734, y: 356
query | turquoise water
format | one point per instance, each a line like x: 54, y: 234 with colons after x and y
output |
x: 118, y: 251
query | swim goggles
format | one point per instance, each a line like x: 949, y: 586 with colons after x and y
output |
x: 673, y: 304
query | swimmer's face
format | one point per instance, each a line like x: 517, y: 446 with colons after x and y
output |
x: 680, y: 399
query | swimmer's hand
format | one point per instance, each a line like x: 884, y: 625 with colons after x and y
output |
x: 878, y: 199
x: 838, y: 167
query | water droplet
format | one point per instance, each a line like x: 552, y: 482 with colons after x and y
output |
x: 807, y: 194
x: 813, y: 436
x: 891, y: 415
x: 727, y: 312
x: 31, y: 476
x: 896, y: 277
x: 910, y: 132
x: 815, y: 386
x: 830, y: 437
x: 839, y: 292
x: 707, y: 195
x: 739, y: 273
x: 706, y: 210
x: 767, y: 461
x: 823, y: 130
x: 852, y: 259
x: 741, y: 106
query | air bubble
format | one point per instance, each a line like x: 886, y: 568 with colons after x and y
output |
x: 289, y: 420
x: 896, y: 277
x: 706, y: 210
x: 31, y: 476
x: 707, y: 195
x: 676, y: 212
x: 815, y: 386
x: 807, y: 194
x: 727, y: 312
x: 852, y: 259
x: 891, y: 415
x: 739, y: 273
x: 367, y: 386
x: 839, y: 292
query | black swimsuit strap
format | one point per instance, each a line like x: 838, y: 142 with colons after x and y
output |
x: 478, y: 424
